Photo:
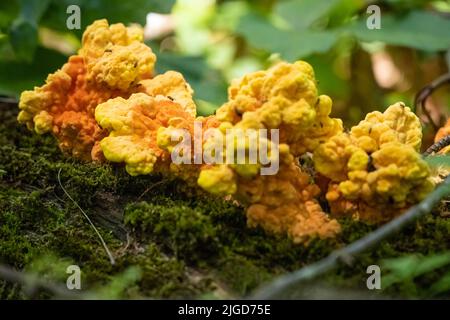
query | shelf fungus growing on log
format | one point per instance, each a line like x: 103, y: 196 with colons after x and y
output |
x: 133, y: 126
x: 376, y: 170
x: 106, y: 104
x: 110, y: 63
x: 283, y: 98
x: 140, y: 127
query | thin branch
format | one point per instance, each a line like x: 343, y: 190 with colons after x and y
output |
x: 437, y: 146
x: 8, y: 100
x: 32, y: 282
x: 282, y: 283
x: 422, y: 96
x: 149, y: 189
x: 111, y: 258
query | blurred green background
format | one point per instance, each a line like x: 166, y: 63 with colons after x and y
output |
x: 213, y: 41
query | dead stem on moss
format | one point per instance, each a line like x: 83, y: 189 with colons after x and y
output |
x: 149, y: 189
x: 111, y: 258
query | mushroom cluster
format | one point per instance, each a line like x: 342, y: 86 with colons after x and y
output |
x: 106, y: 104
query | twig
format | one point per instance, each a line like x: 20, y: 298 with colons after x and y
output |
x: 32, y: 281
x: 150, y: 188
x: 282, y: 283
x: 111, y: 258
x: 437, y: 146
x: 422, y: 96
x: 8, y: 100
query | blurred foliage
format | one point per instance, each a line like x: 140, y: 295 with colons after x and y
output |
x: 437, y: 161
x: 410, y: 268
x: 215, y: 41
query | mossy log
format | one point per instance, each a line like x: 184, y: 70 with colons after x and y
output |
x: 168, y: 241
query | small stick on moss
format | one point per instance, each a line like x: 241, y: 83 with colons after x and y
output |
x: 150, y: 188
x: 422, y: 96
x: 437, y: 146
x: 283, y: 283
x: 111, y: 258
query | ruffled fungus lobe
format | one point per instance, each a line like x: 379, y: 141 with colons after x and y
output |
x: 376, y: 170
x: 170, y: 140
x: 283, y: 203
x: 115, y: 55
x: 172, y: 85
x: 286, y: 203
x: 133, y: 124
x: 285, y: 98
x: 110, y: 63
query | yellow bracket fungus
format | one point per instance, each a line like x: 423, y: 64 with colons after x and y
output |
x: 106, y: 104
x: 110, y: 63
x: 376, y: 170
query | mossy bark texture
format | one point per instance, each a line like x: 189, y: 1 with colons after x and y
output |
x: 167, y: 241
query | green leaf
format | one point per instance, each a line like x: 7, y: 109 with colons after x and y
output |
x: 17, y: 76
x: 417, y: 29
x: 114, y: 10
x: 344, y: 11
x: 119, y: 283
x: 32, y: 10
x: 23, y: 33
x: 438, y: 161
x: 407, y: 4
x: 441, y: 286
x: 409, y: 267
x: 24, y: 39
x: 261, y: 34
x: 9, y: 10
x: 301, y: 14
x: 208, y: 83
x: 330, y: 82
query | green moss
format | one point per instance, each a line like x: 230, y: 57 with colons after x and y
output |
x: 187, y: 232
x: 172, y: 244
